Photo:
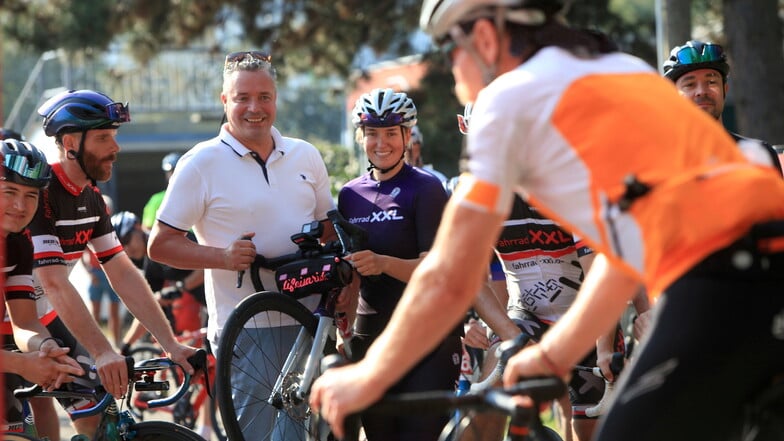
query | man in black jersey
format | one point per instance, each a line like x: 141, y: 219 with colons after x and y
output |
x: 71, y: 216
x: 699, y: 71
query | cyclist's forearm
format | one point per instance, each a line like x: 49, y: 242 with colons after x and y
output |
x: 137, y: 296
x: 73, y: 312
x: 185, y: 254
x: 491, y: 311
x: 400, y: 269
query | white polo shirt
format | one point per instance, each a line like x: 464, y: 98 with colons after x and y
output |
x: 220, y: 191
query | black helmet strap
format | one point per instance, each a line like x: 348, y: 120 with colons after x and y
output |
x: 79, y: 157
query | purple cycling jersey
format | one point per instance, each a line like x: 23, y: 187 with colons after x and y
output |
x: 401, y: 216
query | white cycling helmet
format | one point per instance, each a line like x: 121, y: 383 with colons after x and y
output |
x: 439, y: 16
x: 384, y: 108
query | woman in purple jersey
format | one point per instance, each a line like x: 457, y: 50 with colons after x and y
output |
x: 400, y: 207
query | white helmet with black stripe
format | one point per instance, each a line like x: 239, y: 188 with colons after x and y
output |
x: 384, y: 108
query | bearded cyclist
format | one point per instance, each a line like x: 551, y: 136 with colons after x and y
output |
x: 72, y: 216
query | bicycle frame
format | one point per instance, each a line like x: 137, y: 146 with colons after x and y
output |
x: 326, y: 327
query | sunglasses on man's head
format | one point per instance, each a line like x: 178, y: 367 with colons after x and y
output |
x: 701, y: 54
x: 235, y: 57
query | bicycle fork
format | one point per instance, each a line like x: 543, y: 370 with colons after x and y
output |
x: 323, y: 330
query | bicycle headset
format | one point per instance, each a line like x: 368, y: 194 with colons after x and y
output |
x: 124, y: 224
x: 25, y: 164
x: 384, y: 108
x: 696, y: 55
x: 79, y: 111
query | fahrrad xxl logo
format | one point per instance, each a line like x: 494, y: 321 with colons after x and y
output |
x: 384, y: 216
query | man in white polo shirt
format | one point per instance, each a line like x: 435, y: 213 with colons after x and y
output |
x: 248, y: 182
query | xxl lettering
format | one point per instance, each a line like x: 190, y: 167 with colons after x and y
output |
x: 382, y: 216
x: 82, y: 237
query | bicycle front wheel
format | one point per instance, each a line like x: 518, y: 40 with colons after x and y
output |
x: 163, y: 431
x: 261, y: 357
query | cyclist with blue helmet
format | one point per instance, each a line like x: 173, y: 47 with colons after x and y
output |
x: 72, y: 216
x: 23, y: 174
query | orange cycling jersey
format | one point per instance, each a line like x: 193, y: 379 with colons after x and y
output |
x: 588, y: 124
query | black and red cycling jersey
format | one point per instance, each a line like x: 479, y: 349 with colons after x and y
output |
x: 69, y: 219
x: 18, y: 270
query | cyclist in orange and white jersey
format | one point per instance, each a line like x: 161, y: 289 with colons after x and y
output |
x: 602, y: 144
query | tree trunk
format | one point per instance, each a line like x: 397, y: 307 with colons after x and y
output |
x: 678, y: 22
x: 754, y: 36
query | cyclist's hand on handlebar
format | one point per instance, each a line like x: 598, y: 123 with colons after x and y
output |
x: 179, y: 354
x: 530, y: 363
x: 366, y: 262
x: 603, y: 360
x: 341, y: 392
x: 349, y: 297
x: 476, y: 335
x: 240, y: 254
x: 641, y: 324
x: 113, y: 373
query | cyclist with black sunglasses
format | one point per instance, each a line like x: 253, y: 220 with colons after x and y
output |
x: 71, y: 216
x: 700, y: 72
x: 607, y: 148
x: 245, y: 191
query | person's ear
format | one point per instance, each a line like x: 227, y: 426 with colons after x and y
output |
x: 486, y: 40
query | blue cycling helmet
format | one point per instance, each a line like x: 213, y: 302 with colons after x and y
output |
x: 170, y: 161
x: 82, y: 110
x: 695, y: 55
x: 24, y: 164
x: 124, y: 223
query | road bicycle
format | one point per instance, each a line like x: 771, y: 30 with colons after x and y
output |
x: 274, y: 377
x: 187, y: 410
x: 524, y: 423
x: 117, y: 425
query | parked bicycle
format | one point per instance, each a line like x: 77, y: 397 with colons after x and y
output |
x: 281, y: 388
x: 116, y: 425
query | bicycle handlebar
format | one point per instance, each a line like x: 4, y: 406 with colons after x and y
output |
x: 139, y: 374
x: 350, y: 239
x: 539, y: 389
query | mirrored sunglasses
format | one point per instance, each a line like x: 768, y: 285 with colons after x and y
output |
x: 709, y: 53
